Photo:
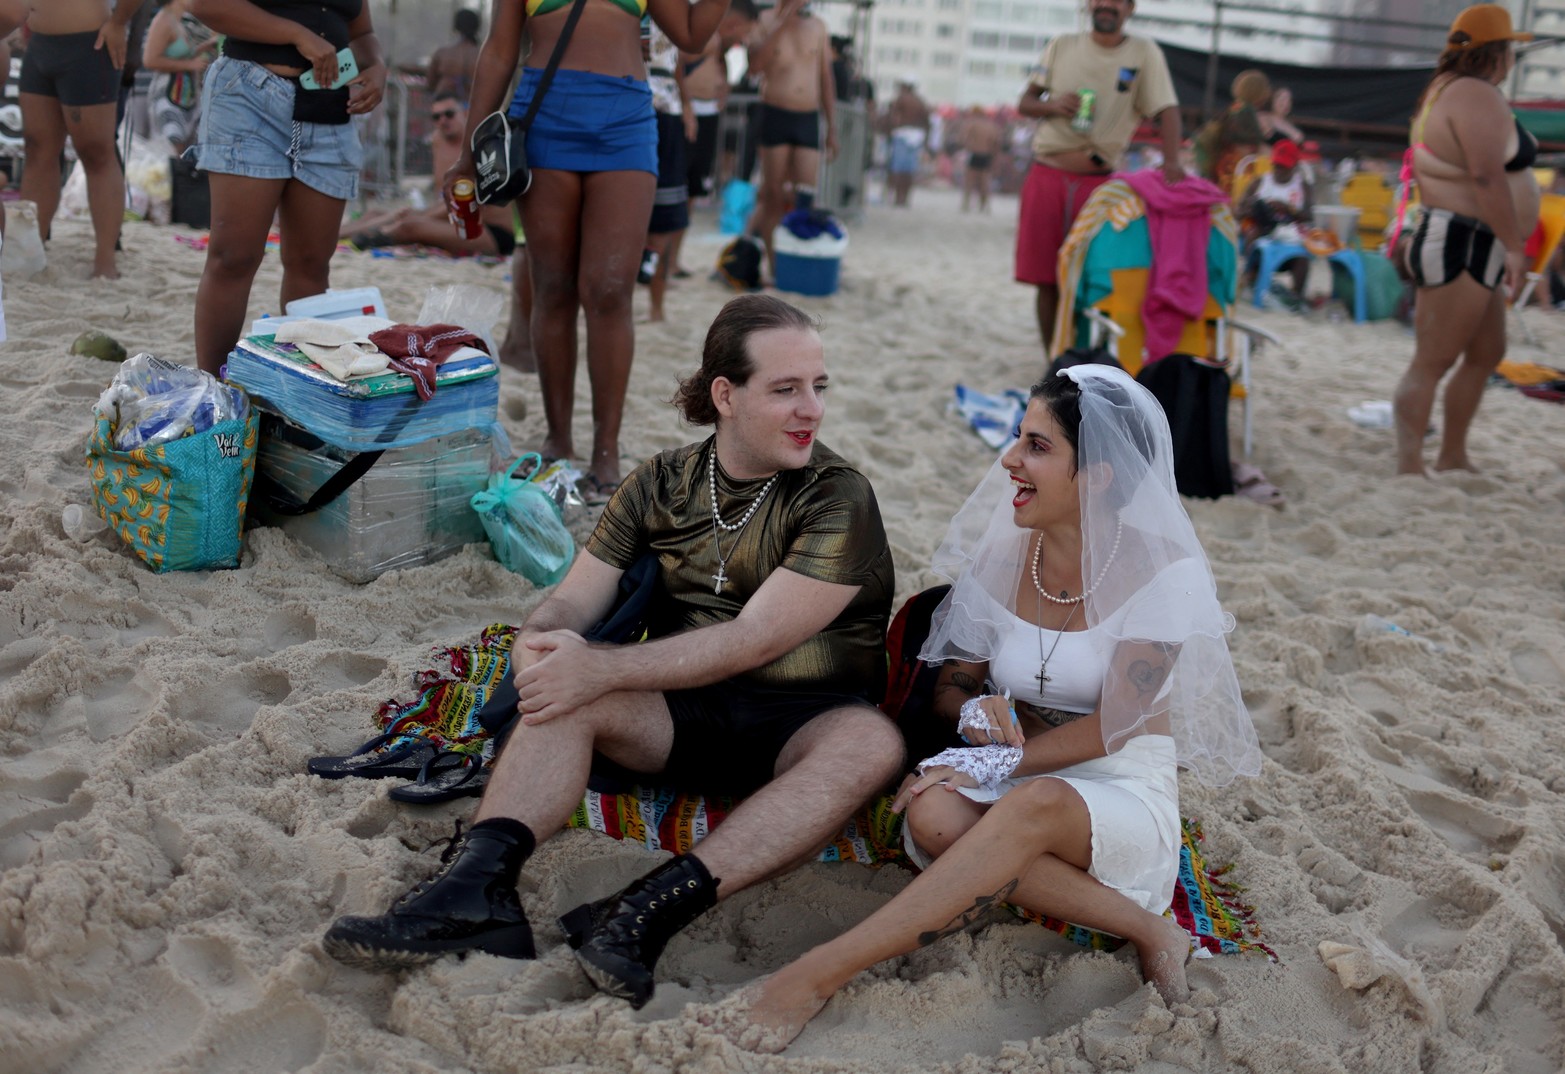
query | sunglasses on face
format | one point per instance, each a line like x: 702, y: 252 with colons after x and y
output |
x: 449, y: 113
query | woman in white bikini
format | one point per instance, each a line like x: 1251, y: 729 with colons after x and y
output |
x: 1472, y: 161
x: 1084, y: 660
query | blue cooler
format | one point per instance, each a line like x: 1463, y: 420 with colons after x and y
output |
x: 808, y: 266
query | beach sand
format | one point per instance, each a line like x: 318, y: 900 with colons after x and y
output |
x: 167, y: 868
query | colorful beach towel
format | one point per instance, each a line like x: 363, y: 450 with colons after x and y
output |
x: 1206, y: 904
x: 452, y: 695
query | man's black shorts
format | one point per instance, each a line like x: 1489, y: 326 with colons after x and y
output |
x: 782, y: 127
x: 728, y: 736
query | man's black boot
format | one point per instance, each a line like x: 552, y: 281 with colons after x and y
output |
x: 469, y: 905
x: 618, y: 939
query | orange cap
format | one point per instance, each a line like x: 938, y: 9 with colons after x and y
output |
x: 1485, y: 24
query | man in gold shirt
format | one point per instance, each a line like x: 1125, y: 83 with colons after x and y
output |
x: 1091, y: 91
x: 766, y: 658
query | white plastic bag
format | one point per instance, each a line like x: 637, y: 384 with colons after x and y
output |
x: 23, y: 253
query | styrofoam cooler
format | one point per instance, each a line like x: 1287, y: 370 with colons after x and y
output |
x: 410, y: 507
x: 1341, y: 220
x: 808, y: 266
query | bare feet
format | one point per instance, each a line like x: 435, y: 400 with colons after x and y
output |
x: 1163, y: 961
x: 517, y: 352
x: 765, y: 1016
x: 1464, y: 463
x: 108, y: 272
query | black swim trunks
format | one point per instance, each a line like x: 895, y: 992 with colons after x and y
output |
x: 779, y: 126
x: 1447, y: 244
x: 504, y: 239
x: 979, y: 161
x: 728, y: 736
x: 68, y: 68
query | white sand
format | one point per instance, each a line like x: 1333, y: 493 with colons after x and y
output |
x: 166, y: 868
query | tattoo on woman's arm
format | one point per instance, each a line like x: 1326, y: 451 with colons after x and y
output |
x: 981, y: 906
x: 1147, y: 677
x: 966, y: 683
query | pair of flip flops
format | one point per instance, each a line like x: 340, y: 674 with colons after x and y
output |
x: 435, y: 774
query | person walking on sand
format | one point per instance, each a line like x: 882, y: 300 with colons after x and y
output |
x: 907, y: 125
x: 1083, y: 661
x: 70, y: 87
x: 766, y: 660
x: 1472, y: 160
x: 981, y: 141
x: 1090, y: 91
x: 792, y: 55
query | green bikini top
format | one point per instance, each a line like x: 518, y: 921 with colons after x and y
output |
x: 637, y: 8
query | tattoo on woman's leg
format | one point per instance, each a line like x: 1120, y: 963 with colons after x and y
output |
x: 981, y: 906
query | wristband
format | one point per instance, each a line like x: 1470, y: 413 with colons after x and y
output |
x: 987, y: 765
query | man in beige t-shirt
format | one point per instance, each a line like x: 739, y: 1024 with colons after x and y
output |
x: 1079, y: 142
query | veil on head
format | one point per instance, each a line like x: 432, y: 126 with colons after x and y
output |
x: 1156, y: 600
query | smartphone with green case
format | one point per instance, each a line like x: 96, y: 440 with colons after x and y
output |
x: 347, y: 70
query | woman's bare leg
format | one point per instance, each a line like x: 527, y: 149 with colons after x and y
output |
x: 307, y: 224
x: 615, y: 210
x: 92, y: 132
x: 517, y: 349
x: 1446, y: 319
x: 1032, y: 848
x: 1464, y: 391
x: 551, y: 216
x: 242, y: 211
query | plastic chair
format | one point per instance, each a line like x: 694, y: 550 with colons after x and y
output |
x: 1376, y: 202
x: 1274, y: 254
x: 1551, y: 222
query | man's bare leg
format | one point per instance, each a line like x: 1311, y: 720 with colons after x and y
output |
x: 773, y: 201
x: 43, y: 140
x: 517, y: 349
x: 1048, y: 302
x: 827, y: 770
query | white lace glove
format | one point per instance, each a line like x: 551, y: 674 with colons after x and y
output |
x: 988, y: 766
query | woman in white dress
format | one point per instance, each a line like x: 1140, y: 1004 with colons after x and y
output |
x: 1084, y: 660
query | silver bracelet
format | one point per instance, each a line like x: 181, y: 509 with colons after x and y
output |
x: 987, y: 765
x: 972, y: 717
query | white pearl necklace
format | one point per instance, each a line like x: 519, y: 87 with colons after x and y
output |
x: 1119, y: 531
x: 717, y: 520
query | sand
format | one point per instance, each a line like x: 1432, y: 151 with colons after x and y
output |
x: 167, y: 868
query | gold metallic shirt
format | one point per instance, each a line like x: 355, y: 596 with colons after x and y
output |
x: 820, y: 521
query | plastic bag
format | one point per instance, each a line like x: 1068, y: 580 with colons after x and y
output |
x: 152, y: 401
x: 23, y: 253
x: 524, y: 525
x: 477, y: 309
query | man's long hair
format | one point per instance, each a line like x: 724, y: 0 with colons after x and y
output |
x: 727, y: 351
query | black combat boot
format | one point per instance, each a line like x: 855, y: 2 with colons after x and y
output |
x: 469, y: 905
x: 618, y: 939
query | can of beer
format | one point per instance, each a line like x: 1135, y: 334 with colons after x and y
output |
x: 464, y: 209
x: 1082, y: 121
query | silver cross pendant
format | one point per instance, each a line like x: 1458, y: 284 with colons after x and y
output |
x: 719, y: 578
x: 1042, y: 677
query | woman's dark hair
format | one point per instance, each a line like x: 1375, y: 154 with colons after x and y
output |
x: 466, y: 23
x: 727, y: 351
x: 1062, y: 395
x: 1063, y: 398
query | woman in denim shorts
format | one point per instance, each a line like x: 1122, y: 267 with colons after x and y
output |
x: 275, y: 148
x: 593, y: 152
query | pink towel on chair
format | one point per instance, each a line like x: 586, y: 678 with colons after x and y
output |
x: 1179, y: 223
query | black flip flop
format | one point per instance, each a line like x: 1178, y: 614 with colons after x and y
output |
x: 445, y: 776
x: 374, y: 760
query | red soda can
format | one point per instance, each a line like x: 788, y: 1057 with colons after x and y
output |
x: 464, y: 209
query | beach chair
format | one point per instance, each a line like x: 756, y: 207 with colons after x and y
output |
x: 1551, y: 229
x: 1105, y: 270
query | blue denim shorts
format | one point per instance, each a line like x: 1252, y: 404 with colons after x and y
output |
x: 247, y: 128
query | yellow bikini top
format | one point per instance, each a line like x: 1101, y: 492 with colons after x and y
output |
x: 637, y: 8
